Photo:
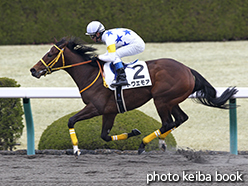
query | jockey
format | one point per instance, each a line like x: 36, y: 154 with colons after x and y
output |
x: 120, y: 42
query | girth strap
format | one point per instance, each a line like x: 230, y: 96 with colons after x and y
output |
x: 120, y: 99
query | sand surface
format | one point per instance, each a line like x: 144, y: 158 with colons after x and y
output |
x: 179, y: 167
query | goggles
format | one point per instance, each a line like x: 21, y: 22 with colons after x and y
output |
x: 92, y: 36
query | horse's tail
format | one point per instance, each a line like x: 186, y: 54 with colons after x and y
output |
x: 206, y: 93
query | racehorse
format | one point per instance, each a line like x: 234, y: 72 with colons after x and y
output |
x: 172, y: 83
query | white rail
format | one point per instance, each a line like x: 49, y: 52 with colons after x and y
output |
x: 72, y: 92
x: 26, y: 93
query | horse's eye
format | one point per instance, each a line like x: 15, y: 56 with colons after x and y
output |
x: 49, y: 55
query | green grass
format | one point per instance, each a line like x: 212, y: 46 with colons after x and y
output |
x: 223, y: 64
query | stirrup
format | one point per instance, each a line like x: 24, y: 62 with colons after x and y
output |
x: 120, y: 83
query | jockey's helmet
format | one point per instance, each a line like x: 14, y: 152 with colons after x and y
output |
x: 94, y: 27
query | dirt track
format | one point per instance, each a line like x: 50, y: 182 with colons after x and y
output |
x: 118, y: 168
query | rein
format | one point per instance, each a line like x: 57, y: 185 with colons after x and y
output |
x: 55, y: 60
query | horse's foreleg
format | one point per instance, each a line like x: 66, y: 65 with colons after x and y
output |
x: 134, y: 132
x: 108, y: 121
x: 74, y: 141
x: 107, y: 124
x: 88, y: 112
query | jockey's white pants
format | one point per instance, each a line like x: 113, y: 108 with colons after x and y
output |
x: 133, y: 48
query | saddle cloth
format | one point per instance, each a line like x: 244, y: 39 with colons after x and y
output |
x: 137, y: 74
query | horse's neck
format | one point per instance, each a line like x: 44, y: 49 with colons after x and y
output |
x: 82, y: 74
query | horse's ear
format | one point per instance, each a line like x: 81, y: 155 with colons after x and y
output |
x: 55, y: 40
x: 64, y: 44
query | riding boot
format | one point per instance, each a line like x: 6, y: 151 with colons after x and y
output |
x: 121, y: 76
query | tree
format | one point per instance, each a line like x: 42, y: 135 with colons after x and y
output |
x: 11, y: 125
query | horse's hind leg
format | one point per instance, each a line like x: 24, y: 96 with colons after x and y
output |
x: 180, y: 117
x: 161, y: 142
x: 107, y: 124
x: 164, y: 111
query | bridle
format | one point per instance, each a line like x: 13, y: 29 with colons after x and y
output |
x: 50, y: 68
x: 54, y: 61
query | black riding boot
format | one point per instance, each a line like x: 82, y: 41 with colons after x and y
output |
x: 120, y: 79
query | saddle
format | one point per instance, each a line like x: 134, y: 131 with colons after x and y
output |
x: 137, y: 76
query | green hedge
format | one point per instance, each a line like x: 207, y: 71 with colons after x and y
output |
x: 27, y: 22
x: 11, y: 125
x: 56, y: 136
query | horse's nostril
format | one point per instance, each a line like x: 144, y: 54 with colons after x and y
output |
x: 33, y: 71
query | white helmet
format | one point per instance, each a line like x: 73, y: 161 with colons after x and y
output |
x: 94, y: 27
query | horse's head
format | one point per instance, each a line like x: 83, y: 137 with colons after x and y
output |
x: 48, y: 63
x: 54, y: 59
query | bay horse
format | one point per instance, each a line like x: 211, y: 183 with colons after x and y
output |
x: 172, y: 83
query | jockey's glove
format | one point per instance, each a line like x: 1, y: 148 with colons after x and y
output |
x: 94, y: 58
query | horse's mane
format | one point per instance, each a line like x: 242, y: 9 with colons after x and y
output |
x: 76, y: 45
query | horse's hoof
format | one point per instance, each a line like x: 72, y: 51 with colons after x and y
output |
x: 136, y: 132
x: 162, y: 145
x: 141, y: 151
x: 141, y: 148
x: 77, y: 153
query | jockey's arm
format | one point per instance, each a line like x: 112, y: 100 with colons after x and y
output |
x: 110, y: 55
